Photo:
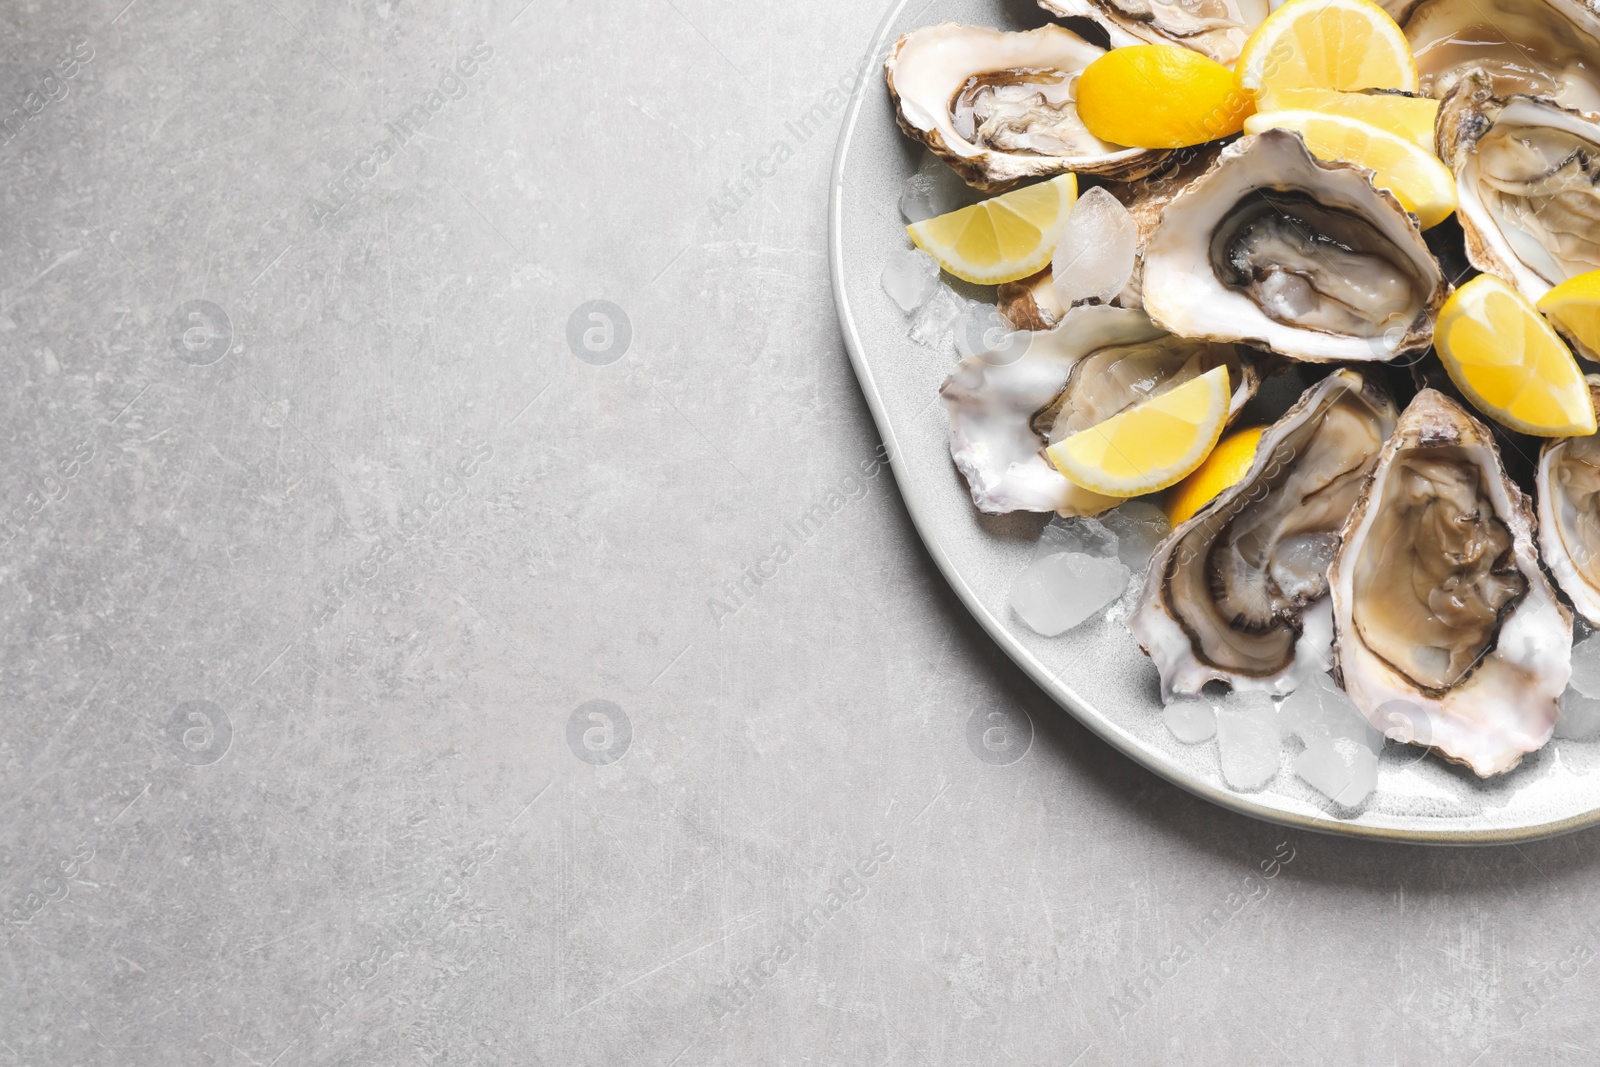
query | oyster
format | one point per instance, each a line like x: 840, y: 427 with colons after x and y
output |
x: 1217, y: 28
x: 1447, y: 633
x: 1568, y: 482
x: 1279, y: 249
x: 999, y: 107
x: 1005, y: 409
x: 1227, y: 592
x: 1526, y: 174
x: 1534, y: 47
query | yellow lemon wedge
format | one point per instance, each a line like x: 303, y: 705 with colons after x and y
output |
x: 1411, y: 117
x: 1573, y: 307
x: 1004, y: 238
x: 1151, y: 445
x: 1223, y: 469
x: 1327, y: 44
x: 1510, y: 363
x: 1423, y: 185
x: 1159, y: 96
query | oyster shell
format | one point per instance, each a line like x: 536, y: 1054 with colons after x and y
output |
x: 1031, y: 304
x: 1279, y: 249
x: 1545, y: 48
x: 1005, y: 408
x: 1217, y: 28
x: 999, y: 107
x: 1568, y: 483
x: 1526, y: 174
x: 1447, y: 633
x: 1228, y: 590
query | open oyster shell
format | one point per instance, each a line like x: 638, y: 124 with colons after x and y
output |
x: 1006, y: 407
x: 1447, y: 633
x: 1568, y: 483
x: 1548, y: 48
x: 1227, y: 592
x: 999, y: 106
x: 1276, y: 248
x: 1526, y: 174
x: 1217, y: 28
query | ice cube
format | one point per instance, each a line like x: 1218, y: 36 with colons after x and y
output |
x: 933, y: 321
x: 981, y: 331
x: 1191, y: 719
x: 1580, y: 716
x: 910, y: 277
x: 1094, y: 259
x: 1062, y: 590
x: 1078, y: 534
x: 1586, y: 667
x: 934, y: 189
x: 1319, y: 712
x: 1343, y: 770
x: 1140, y: 526
x: 1248, y: 740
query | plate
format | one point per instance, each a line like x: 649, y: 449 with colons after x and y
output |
x: 1097, y: 672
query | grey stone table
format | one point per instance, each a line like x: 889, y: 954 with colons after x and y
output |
x: 409, y: 660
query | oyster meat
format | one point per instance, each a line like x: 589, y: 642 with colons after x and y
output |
x: 1447, y: 633
x: 1568, y: 482
x: 1526, y: 174
x: 1000, y: 106
x: 1276, y: 248
x: 1228, y: 591
x: 1545, y: 48
x: 1217, y: 28
x: 1006, y: 408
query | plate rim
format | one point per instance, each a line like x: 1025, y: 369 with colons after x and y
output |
x: 1098, y: 724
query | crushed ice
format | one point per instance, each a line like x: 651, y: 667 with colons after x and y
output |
x: 934, y: 189
x: 910, y: 277
x: 1249, y: 739
x: 936, y: 319
x: 1075, y: 573
x: 1340, y: 760
x: 1191, y: 719
x: 1095, y: 257
x: 1580, y: 704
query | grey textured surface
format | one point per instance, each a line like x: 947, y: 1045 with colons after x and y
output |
x: 1098, y: 668
x: 300, y: 610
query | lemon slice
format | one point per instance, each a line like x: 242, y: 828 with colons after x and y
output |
x: 1004, y: 238
x: 1574, y: 308
x: 1327, y: 44
x: 1151, y: 445
x: 1223, y: 469
x: 1411, y: 117
x: 1159, y: 96
x: 1423, y: 185
x: 1510, y: 363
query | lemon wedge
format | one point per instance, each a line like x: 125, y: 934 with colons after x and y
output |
x: 1411, y: 117
x: 1223, y: 469
x: 1151, y: 445
x: 1510, y: 363
x: 1327, y: 44
x: 1423, y: 185
x: 1004, y: 238
x: 1573, y: 307
x: 1159, y: 96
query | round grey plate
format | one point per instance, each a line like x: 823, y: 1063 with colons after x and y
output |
x: 1097, y: 671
